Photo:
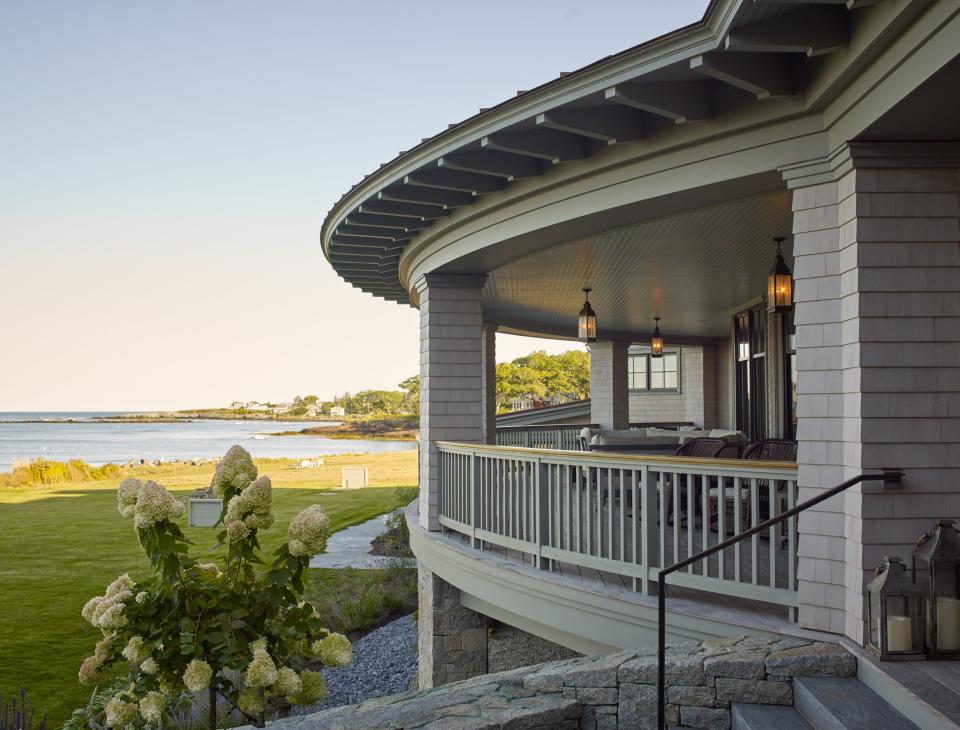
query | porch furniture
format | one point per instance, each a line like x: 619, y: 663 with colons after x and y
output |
x: 702, y: 448
x: 763, y: 450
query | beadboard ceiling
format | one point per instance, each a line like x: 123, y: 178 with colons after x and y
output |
x: 689, y: 269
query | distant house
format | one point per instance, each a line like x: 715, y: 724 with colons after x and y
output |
x: 256, y: 406
x: 338, y: 411
x: 237, y: 405
x: 558, y: 399
x: 314, y: 410
x: 526, y: 402
x: 280, y: 408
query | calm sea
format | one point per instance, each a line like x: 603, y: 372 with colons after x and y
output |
x: 98, y: 443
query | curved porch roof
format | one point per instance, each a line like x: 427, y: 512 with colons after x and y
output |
x: 747, y: 67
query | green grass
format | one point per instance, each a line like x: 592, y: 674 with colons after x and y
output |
x: 59, y: 547
x: 352, y: 600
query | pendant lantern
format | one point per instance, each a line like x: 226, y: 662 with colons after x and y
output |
x: 587, y: 320
x: 656, y: 342
x: 780, y: 284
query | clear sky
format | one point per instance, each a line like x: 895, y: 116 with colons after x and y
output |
x: 165, y: 168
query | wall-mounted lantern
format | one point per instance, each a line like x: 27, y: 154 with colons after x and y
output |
x: 780, y: 283
x: 895, y: 624
x: 939, y: 551
x: 656, y: 342
x: 587, y: 320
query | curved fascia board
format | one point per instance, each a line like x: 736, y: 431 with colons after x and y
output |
x: 560, y: 610
x: 678, y: 46
x: 616, y: 178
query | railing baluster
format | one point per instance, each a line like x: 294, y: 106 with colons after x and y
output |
x: 675, y: 481
x: 737, y: 527
x: 774, y: 541
x: 754, y: 521
x: 721, y: 524
x: 623, y: 520
x: 691, y: 516
x: 609, y: 493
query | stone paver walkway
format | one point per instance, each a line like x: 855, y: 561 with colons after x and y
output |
x: 350, y: 548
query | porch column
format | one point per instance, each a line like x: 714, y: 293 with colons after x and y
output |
x: 877, y: 270
x: 609, y: 401
x: 451, y: 374
x: 489, y: 382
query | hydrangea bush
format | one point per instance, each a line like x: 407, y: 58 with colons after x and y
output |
x: 241, y: 632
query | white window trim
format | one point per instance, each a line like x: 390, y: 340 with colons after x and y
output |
x: 657, y: 391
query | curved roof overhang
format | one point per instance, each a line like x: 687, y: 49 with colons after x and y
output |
x: 746, y: 65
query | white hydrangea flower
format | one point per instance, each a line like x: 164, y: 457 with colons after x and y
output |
x: 211, y: 569
x: 334, y: 651
x: 127, y: 494
x: 155, y: 504
x: 197, y: 675
x: 90, y: 609
x: 250, y: 702
x: 236, y: 470
x: 288, y: 682
x: 141, y: 597
x: 122, y: 583
x: 149, y: 666
x: 312, y: 688
x: 133, y: 650
x: 308, y: 532
x: 112, y: 618
x: 237, y: 531
x: 261, y: 672
x: 152, y: 706
x: 119, y: 713
x: 89, y: 673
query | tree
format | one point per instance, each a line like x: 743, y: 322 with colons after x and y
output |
x: 542, y: 375
x: 411, y: 398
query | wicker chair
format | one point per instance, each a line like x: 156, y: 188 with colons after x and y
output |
x: 764, y: 450
x: 771, y: 450
x: 703, y: 448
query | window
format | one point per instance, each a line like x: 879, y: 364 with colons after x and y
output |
x: 751, y: 371
x: 654, y: 373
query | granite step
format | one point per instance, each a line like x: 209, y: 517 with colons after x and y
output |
x: 829, y: 703
x: 765, y: 717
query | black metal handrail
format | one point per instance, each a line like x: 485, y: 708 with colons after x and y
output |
x: 888, y: 476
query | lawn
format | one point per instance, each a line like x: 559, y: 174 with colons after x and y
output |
x: 60, y: 546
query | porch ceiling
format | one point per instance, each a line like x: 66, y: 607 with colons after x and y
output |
x: 690, y: 269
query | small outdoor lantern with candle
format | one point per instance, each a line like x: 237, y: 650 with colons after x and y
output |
x: 894, y: 613
x: 656, y: 342
x: 780, y: 283
x: 587, y: 320
x: 939, y: 550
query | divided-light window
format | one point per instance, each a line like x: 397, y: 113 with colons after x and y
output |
x: 655, y: 373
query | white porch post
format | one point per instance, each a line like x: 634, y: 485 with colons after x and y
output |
x: 877, y: 268
x: 451, y: 374
x: 609, y: 401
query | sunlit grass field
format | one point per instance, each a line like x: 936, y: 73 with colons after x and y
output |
x: 61, y: 545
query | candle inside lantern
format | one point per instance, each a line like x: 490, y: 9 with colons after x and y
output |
x: 948, y: 623
x: 899, y: 633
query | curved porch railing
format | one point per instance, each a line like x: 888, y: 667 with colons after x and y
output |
x: 565, y: 436
x: 626, y: 514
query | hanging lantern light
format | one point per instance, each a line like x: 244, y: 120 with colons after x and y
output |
x: 587, y: 320
x: 656, y: 342
x: 780, y: 284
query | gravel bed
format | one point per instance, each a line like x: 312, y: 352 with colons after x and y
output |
x: 511, y: 648
x: 384, y: 663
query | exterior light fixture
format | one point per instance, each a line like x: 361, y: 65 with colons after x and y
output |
x: 656, y: 342
x: 587, y: 320
x: 780, y: 284
x: 939, y: 551
x: 895, y: 624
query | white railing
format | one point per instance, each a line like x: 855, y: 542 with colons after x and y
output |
x: 549, y: 436
x: 625, y: 514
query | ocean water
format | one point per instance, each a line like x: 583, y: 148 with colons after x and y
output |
x: 25, y: 436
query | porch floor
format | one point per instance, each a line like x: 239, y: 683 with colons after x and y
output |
x: 749, y: 614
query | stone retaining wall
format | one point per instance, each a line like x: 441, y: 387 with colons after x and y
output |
x: 611, y: 692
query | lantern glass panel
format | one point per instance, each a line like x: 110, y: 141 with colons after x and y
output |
x: 895, y: 618
x: 938, y: 551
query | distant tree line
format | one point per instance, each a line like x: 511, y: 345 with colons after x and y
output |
x: 537, y: 374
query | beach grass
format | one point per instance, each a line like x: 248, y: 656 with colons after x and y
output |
x: 61, y: 545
